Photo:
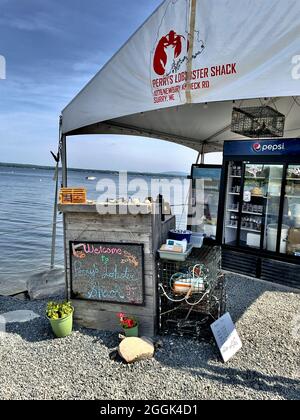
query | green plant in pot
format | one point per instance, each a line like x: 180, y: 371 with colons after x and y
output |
x: 60, y: 315
x: 130, y: 325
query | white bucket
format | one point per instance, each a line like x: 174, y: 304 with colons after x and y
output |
x: 272, y: 238
x: 210, y: 230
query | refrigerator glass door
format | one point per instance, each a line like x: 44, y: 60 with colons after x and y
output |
x: 205, y: 200
x: 290, y: 233
x: 253, y: 206
x: 261, y: 206
x: 232, y: 206
x: 273, y: 188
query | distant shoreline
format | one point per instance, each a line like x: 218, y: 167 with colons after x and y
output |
x: 99, y: 171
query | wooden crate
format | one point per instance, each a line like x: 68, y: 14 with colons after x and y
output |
x: 72, y: 196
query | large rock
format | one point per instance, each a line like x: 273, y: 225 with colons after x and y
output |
x: 47, y: 284
x: 134, y: 349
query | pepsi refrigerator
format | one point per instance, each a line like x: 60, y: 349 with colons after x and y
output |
x: 259, y: 210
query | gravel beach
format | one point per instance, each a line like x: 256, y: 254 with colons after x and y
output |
x: 36, y: 366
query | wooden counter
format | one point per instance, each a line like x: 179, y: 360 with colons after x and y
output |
x: 83, y: 223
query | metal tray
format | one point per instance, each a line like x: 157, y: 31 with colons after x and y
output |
x: 175, y: 256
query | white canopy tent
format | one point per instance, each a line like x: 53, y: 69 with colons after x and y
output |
x: 178, y: 75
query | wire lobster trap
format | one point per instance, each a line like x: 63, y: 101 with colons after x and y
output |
x: 256, y: 122
x: 191, y: 311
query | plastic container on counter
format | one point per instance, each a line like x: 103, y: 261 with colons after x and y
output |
x: 197, y: 239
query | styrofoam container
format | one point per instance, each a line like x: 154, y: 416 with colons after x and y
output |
x: 171, y: 243
x: 197, y: 239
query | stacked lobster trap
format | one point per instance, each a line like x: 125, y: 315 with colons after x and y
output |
x: 192, y: 294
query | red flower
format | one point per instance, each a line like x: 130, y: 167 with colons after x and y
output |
x: 130, y: 323
x: 121, y: 316
x: 127, y: 322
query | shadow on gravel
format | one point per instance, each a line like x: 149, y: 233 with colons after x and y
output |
x: 251, y: 379
x: 201, y: 363
x: 106, y: 338
x: 24, y: 318
x: 32, y: 331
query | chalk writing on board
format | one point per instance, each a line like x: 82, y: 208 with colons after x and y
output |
x: 90, y: 272
x: 94, y: 271
x: 117, y: 274
x: 129, y: 258
x: 99, y: 292
x: 91, y: 249
x: 130, y: 292
x: 108, y: 272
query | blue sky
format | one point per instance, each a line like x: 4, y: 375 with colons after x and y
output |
x: 52, y: 49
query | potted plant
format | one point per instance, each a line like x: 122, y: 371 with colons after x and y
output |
x: 60, y: 316
x: 130, y: 325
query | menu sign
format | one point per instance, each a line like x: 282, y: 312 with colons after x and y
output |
x: 227, y: 337
x: 107, y: 272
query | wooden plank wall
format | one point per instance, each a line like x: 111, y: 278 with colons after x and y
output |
x: 143, y: 229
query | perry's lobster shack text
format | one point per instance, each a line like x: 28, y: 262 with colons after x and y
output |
x: 165, y: 88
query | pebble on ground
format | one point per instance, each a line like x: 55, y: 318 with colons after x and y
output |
x: 34, y: 365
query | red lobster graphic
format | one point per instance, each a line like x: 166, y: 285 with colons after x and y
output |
x: 160, y: 56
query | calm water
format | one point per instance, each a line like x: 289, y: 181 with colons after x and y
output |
x: 26, y: 197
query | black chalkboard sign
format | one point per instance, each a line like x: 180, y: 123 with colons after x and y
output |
x: 107, y: 272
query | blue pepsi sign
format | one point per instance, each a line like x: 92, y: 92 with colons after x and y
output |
x: 282, y: 147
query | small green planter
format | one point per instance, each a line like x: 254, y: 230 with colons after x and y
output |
x: 62, y: 327
x: 131, y: 332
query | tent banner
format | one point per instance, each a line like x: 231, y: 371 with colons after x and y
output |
x: 197, y: 51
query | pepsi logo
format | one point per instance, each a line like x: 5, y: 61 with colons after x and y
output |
x: 268, y: 147
x: 256, y: 147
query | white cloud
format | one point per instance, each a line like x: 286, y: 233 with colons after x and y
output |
x: 34, y: 22
x: 129, y: 153
x: 49, y: 84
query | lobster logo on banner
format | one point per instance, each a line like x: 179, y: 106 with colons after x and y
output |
x: 173, y: 40
x: 179, y: 66
x: 171, y: 52
x: 176, y: 55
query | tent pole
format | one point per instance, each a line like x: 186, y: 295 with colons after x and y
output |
x: 64, y: 162
x: 54, y: 219
x: 56, y: 179
x: 64, y: 185
x: 191, y: 49
x: 201, y: 156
